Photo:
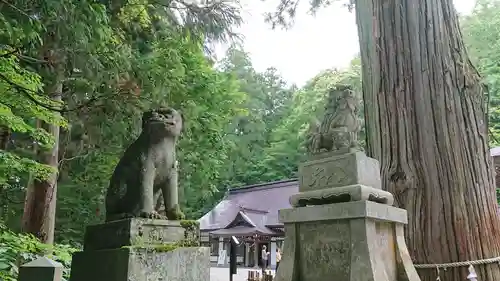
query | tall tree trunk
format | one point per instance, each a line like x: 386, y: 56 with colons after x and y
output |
x: 4, y: 141
x: 4, y: 137
x: 40, y: 202
x: 426, y: 124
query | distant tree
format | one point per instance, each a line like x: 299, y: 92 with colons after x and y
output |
x: 268, y: 100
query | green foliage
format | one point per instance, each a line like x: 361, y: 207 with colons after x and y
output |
x: 213, y: 21
x: 19, y: 105
x: 11, y: 165
x: 268, y: 100
x: 285, y: 12
x: 18, y: 249
x: 113, y: 60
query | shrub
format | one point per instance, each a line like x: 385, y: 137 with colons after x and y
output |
x: 17, y: 249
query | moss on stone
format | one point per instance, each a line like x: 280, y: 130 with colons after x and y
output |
x: 164, y: 247
x: 190, y: 224
x: 137, y: 240
x: 167, y: 247
x: 175, y: 213
x: 191, y: 231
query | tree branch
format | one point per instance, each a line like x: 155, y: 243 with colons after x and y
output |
x: 29, y: 94
x: 73, y: 158
x: 30, y: 59
x: 9, y: 53
x: 16, y: 8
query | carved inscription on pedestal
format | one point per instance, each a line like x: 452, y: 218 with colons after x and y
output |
x: 155, y: 235
x: 161, y: 234
x: 324, y: 174
x: 324, y: 251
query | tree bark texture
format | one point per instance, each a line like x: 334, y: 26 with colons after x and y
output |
x: 426, y: 124
x: 40, y: 201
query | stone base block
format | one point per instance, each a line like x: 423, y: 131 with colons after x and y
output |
x: 349, y: 193
x: 330, y: 170
x: 133, y: 231
x: 129, y: 264
x: 354, y: 241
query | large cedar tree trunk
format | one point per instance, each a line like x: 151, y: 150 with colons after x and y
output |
x: 40, y: 202
x: 425, y: 123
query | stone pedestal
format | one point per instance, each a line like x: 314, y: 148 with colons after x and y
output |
x: 353, y: 241
x: 343, y: 226
x: 141, y: 250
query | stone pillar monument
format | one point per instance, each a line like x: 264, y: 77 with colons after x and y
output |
x: 41, y: 269
x: 342, y: 225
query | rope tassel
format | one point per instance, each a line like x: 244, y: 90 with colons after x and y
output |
x: 438, y: 276
x: 472, y: 274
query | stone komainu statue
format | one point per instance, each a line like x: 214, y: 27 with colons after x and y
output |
x: 340, y: 125
x: 146, y: 175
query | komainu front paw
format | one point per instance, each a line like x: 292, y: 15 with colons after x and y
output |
x: 175, y: 213
x: 151, y: 215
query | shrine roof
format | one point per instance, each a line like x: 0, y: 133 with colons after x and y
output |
x: 495, y: 151
x: 241, y: 231
x: 250, y: 208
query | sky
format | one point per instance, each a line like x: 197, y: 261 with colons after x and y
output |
x: 328, y: 39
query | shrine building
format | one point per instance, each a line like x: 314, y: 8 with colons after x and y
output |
x: 249, y: 213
